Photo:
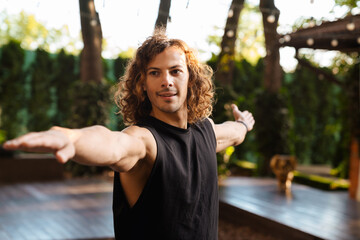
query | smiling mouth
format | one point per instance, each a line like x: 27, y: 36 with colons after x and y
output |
x: 167, y: 94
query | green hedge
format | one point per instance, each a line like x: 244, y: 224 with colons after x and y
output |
x: 308, y: 118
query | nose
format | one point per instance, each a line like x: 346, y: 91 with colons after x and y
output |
x: 167, y: 80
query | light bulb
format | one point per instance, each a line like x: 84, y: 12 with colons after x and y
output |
x: 93, y: 22
x: 310, y: 41
x: 230, y: 33
x: 334, y: 42
x: 350, y: 26
x: 270, y: 18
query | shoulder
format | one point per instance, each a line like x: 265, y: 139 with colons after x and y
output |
x: 207, y: 129
x: 139, y: 132
x: 213, y: 125
x: 211, y: 122
x: 145, y: 136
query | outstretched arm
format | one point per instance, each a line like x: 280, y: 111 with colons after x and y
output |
x: 232, y: 133
x: 94, y: 145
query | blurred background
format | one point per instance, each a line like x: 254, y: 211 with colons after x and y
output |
x: 293, y: 64
x: 60, y: 61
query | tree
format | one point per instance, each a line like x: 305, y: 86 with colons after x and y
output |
x: 271, y: 110
x: 65, y: 77
x: 32, y: 34
x: 41, y: 99
x: 90, y: 62
x: 273, y: 70
x: 226, y: 59
x: 163, y: 14
x: 13, y: 98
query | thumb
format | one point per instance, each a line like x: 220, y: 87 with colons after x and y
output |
x: 236, y: 112
x: 65, y: 154
x: 234, y: 107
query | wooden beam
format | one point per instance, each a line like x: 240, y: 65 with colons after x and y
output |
x: 342, y: 35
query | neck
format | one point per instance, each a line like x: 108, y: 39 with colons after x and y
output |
x: 174, y: 119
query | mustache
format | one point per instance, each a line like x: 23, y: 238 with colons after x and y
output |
x: 167, y: 90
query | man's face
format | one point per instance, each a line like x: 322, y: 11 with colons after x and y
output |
x: 166, y: 82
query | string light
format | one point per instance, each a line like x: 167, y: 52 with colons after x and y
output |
x: 231, y: 13
x: 93, y: 22
x: 310, y: 41
x: 230, y: 33
x: 312, y: 22
x: 270, y: 18
x: 350, y: 26
x: 334, y: 42
x: 358, y: 40
x: 287, y: 38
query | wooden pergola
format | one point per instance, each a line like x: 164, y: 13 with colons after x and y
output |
x: 341, y: 35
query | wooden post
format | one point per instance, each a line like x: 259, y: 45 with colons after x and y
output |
x: 354, y: 174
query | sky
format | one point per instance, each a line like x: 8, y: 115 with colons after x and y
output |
x: 128, y: 23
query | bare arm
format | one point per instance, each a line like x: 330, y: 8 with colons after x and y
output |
x: 94, y: 145
x: 232, y: 133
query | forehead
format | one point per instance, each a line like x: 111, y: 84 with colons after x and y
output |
x: 171, y: 56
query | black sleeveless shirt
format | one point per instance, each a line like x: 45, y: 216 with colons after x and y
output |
x: 180, y: 199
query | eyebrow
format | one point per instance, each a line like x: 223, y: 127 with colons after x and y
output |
x: 155, y: 68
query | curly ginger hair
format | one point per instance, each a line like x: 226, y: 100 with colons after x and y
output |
x: 132, y: 99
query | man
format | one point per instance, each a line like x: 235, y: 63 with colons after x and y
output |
x: 165, y: 184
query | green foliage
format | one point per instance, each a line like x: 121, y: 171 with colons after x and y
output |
x: 117, y: 69
x: 32, y: 34
x: 320, y: 182
x: 317, y: 110
x: 349, y: 3
x: 246, y: 84
x: 65, y: 76
x: 2, y: 136
x: 42, y: 92
x: 119, y: 66
x: 90, y: 107
x: 90, y: 104
x: 12, y: 91
x: 272, y: 128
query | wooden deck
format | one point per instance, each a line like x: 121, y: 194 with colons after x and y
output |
x: 70, y: 209
x: 305, y: 214
x: 81, y: 209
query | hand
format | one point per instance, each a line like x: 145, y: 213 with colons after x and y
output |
x: 244, y: 116
x: 52, y: 141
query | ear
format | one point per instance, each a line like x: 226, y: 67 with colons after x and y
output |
x: 144, y: 87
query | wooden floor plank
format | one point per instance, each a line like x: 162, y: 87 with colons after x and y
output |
x: 323, y: 214
x: 81, y: 208
x: 74, y: 209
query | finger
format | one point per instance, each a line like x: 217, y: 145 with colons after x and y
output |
x: 38, y: 142
x: 15, y: 143
x: 65, y: 154
x: 236, y: 112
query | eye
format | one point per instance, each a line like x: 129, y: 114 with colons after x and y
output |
x: 153, y: 73
x: 176, y: 71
